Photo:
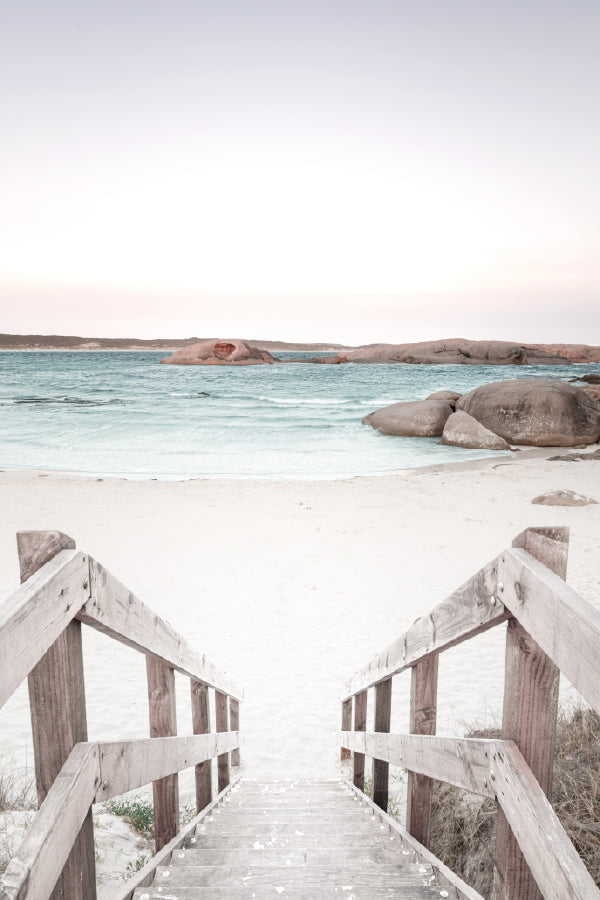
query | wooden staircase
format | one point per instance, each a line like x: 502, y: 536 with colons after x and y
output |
x: 297, y: 839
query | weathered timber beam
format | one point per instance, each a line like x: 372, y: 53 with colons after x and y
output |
x: 39, y: 861
x: 471, y: 609
x: 126, y: 765
x: 464, y: 762
x: 113, y: 609
x: 36, y: 614
x: 145, y: 876
x: 554, y: 862
x: 565, y: 626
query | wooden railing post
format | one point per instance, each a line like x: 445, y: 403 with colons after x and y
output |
x: 346, y: 725
x: 423, y: 715
x: 234, y: 725
x: 58, y: 715
x: 529, y: 714
x: 222, y: 722
x: 201, y: 725
x: 383, y: 714
x: 163, y: 723
x: 360, y: 724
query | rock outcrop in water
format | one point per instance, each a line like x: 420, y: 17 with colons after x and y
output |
x: 220, y: 353
x: 535, y: 412
x: 415, y: 418
x: 458, y: 351
x: 529, y: 411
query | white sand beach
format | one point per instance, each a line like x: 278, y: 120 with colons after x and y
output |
x: 291, y: 586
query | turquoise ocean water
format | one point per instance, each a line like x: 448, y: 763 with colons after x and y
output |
x: 123, y: 414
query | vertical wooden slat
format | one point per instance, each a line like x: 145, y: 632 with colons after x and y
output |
x: 201, y: 725
x: 234, y: 725
x: 163, y: 723
x: 346, y: 725
x: 529, y: 714
x: 423, y: 715
x: 360, y: 724
x: 58, y: 715
x: 383, y: 713
x: 222, y: 722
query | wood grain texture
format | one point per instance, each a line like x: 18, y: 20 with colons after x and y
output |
x: 234, y: 724
x: 126, y: 765
x: 565, y: 626
x: 445, y: 877
x: 117, y: 612
x: 346, y: 725
x: 463, y: 762
x: 34, y: 615
x: 382, y: 721
x: 58, y: 714
x: 163, y: 723
x: 201, y: 725
x: 554, y: 862
x: 360, y: 724
x: 423, y: 717
x: 531, y: 685
x: 470, y: 610
x: 222, y: 724
x: 145, y: 876
x: 37, y: 865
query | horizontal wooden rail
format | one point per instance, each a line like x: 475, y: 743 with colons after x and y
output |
x: 94, y: 772
x: 492, y: 768
x: 37, y: 613
x: 113, y: 609
x: 464, y: 762
x: 471, y: 609
x: 566, y: 626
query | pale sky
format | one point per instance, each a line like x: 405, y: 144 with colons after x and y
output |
x: 350, y: 171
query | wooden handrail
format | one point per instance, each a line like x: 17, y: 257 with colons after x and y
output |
x: 92, y: 773
x: 550, y: 629
x: 471, y: 609
x: 40, y: 638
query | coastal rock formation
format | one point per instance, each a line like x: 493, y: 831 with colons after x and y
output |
x: 220, y: 353
x: 414, y: 418
x: 563, y: 498
x: 459, y: 351
x: 535, y: 412
x: 462, y: 430
x: 451, y: 397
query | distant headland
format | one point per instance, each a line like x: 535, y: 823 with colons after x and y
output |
x: 453, y: 351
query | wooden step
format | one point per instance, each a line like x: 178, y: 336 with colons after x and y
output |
x: 295, y: 839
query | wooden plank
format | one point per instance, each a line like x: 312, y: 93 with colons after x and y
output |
x: 554, y: 862
x: 126, y: 765
x: 531, y: 685
x: 346, y: 725
x: 463, y: 762
x: 566, y: 626
x: 444, y: 875
x: 201, y: 725
x: 58, y: 716
x: 163, y: 723
x: 382, y: 721
x: 222, y: 725
x: 234, y: 724
x: 117, y: 612
x: 34, y: 870
x: 145, y: 876
x: 360, y: 724
x: 34, y: 615
x: 471, y: 609
x: 423, y: 715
